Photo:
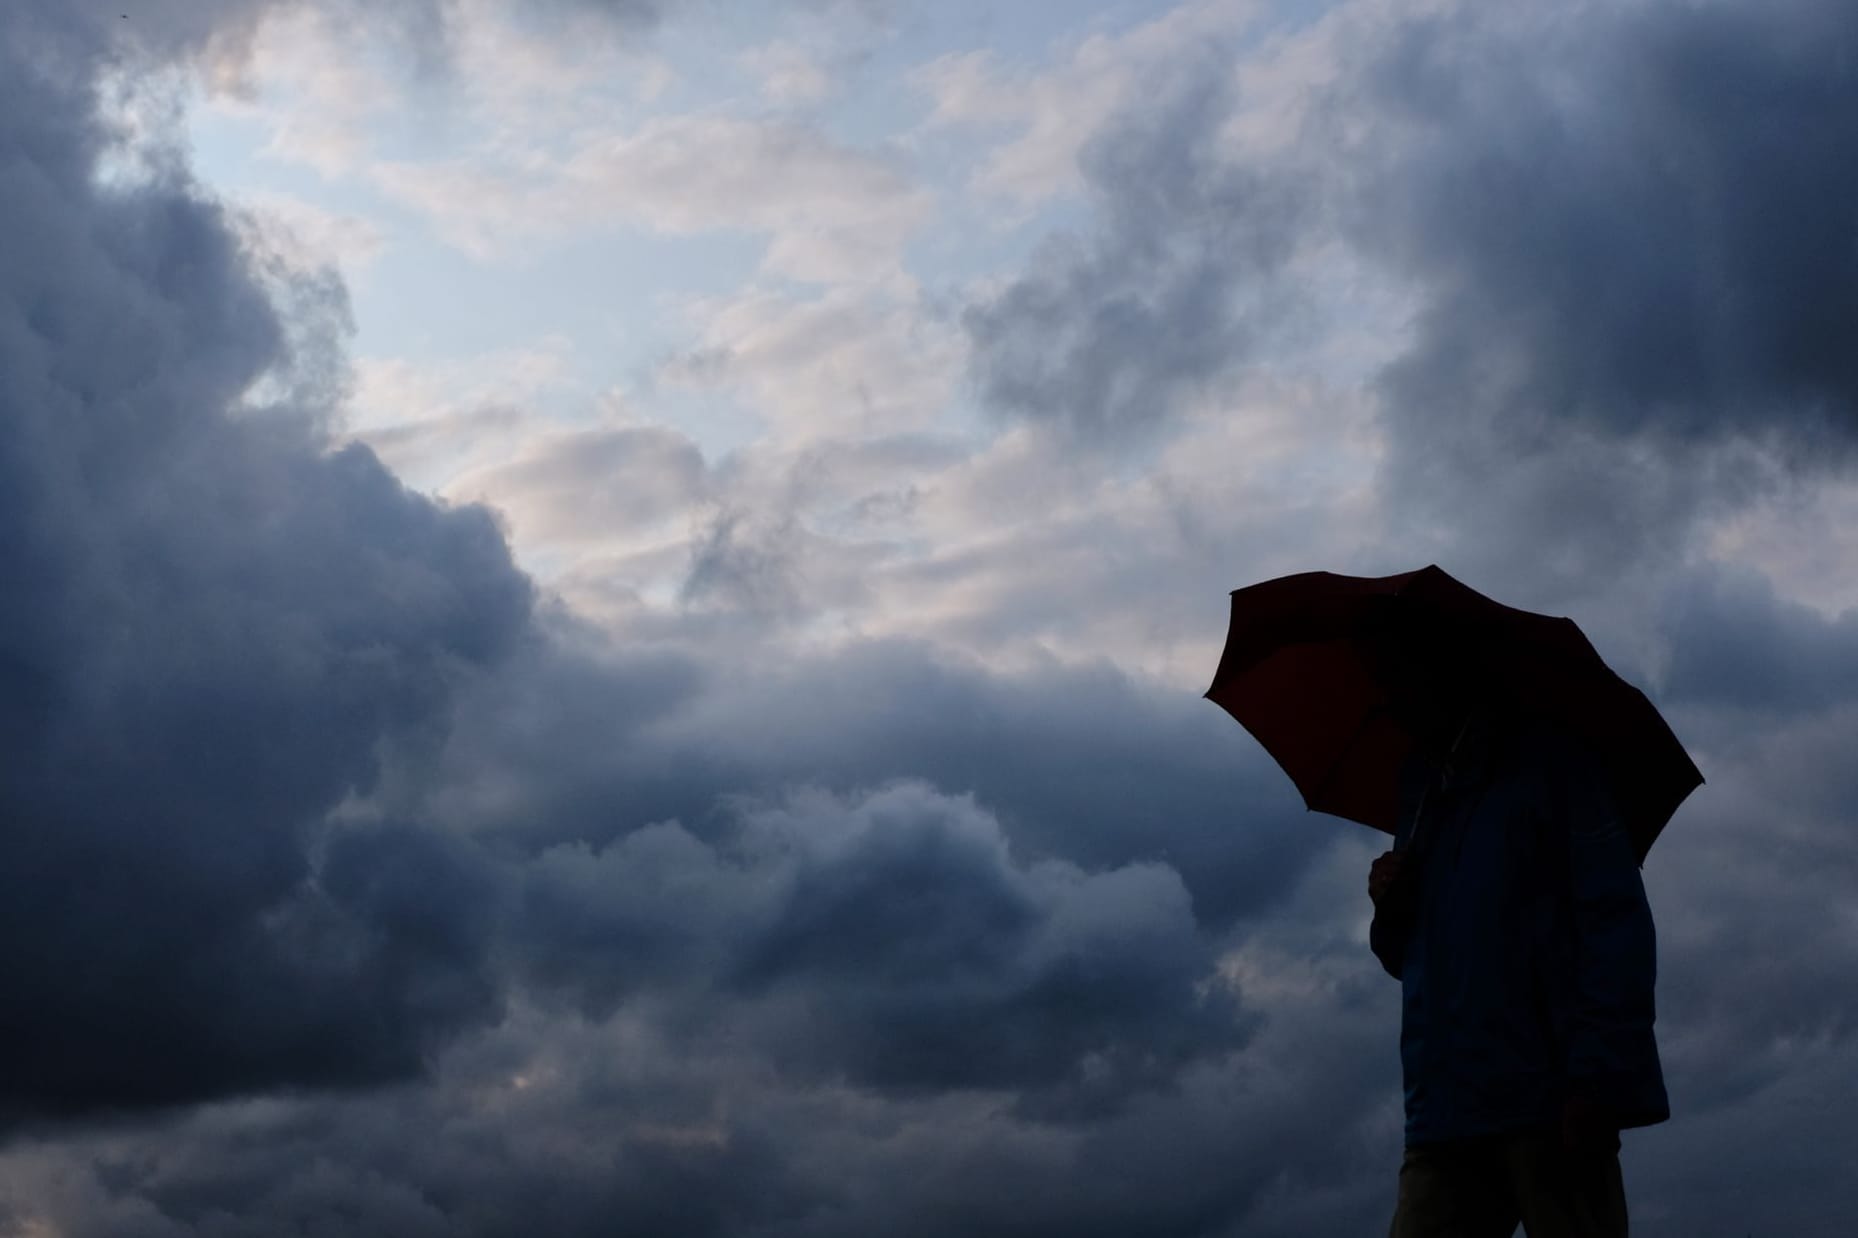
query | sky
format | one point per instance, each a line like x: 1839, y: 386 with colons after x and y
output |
x: 608, y: 599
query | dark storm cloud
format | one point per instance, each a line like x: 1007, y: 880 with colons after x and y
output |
x: 1735, y: 642
x: 211, y: 626
x: 1086, y: 765
x: 680, y: 1126
x: 1644, y: 220
x: 1772, y: 686
x: 1109, y: 333
x: 1633, y: 220
x: 1032, y: 905
x: 1048, y: 931
x: 891, y: 938
x: 669, y: 1128
x: 1634, y: 242
x: 1042, y: 885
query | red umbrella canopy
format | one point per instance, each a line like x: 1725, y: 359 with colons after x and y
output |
x: 1314, y: 663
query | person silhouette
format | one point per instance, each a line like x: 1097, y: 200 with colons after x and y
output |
x: 1512, y: 912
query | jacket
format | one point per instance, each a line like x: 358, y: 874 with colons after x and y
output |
x: 1522, y: 939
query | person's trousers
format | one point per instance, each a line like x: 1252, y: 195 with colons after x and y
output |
x: 1481, y: 1188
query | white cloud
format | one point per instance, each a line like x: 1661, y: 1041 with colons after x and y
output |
x: 1054, y: 111
x: 832, y: 213
x: 312, y: 235
x: 1029, y: 553
x: 790, y: 74
x: 613, y: 485
x: 1016, y: 552
x: 333, y: 91
x: 434, y: 421
x: 844, y: 363
x: 1777, y: 531
x: 310, y: 82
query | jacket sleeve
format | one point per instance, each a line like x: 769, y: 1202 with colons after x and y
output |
x: 1392, y: 925
x: 1612, y: 1056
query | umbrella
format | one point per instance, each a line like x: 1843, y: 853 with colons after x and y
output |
x: 1301, y: 672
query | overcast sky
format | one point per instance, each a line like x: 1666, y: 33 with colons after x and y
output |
x: 606, y: 600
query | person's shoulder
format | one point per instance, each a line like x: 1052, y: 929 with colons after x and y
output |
x: 1547, y: 755
x: 1571, y: 779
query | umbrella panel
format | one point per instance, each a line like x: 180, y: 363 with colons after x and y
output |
x: 1319, y: 710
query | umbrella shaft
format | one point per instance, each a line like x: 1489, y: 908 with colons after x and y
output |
x: 1419, y: 813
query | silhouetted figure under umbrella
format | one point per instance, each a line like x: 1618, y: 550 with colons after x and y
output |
x: 1522, y: 782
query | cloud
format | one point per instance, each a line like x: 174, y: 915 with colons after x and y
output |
x: 831, y: 213
x: 683, y: 1123
x: 891, y: 938
x: 845, y: 364
x: 1109, y: 334
x: 1055, y: 113
x: 1570, y: 243
x: 313, y: 236
x: 1627, y: 288
x: 1735, y: 643
x: 707, y: 925
x: 217, y: 623
x: 1104, y: 771
x: 1585, y: 261
x: 1667, y: 248
x: 791, y: 74
x: 241, y: 650
x: 779, y: 540
x: 596, y: 484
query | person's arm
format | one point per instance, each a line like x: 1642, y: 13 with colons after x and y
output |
x: 1612, y: 1059
x: 1394, y: 876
